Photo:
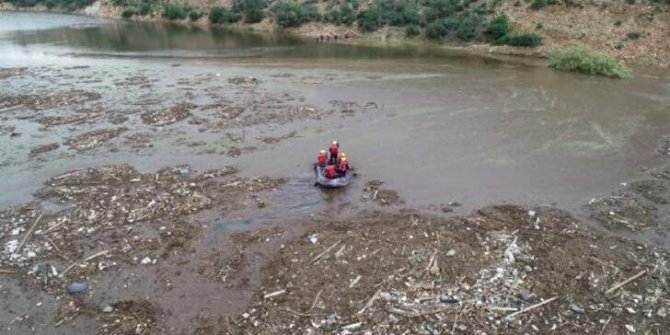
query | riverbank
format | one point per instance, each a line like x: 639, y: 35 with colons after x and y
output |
x: 635, y: 33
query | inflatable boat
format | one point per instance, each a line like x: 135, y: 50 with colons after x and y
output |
x: 319, y: 173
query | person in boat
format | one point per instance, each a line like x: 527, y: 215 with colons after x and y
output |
x: 322, y: 158
x: 334, y: 149
x: 330, y: 172
x: 340, y: 156
x: 343, y: 166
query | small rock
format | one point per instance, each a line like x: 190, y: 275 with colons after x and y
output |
x: 330, y: 319
x: 447, y: 299
x: 527, y: 268
x: 462, y: 327
x: 76, y: 287
x: 454, y: 204
x: 531, y: 213
x: 630, y: 328
x: 245, y: 315
x: 313, y: 238
x: 184, y: 172
x: 451, y: 253
x: 630, y: 310
x: 107, y: 309
x: 526, y: 296
x: 661, y: 313
x: 576, y: 309
x: 145, y: 261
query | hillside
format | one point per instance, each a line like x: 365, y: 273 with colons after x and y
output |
x: 633, y: 31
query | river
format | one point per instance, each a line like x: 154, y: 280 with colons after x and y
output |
x: 449, y: 127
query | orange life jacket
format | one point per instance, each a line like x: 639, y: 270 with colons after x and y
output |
x: 343, y: 166
x: 322, y: 159
x: 333, y: 150
x: 330, y: 171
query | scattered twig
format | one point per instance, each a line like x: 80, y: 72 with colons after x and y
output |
x: 58, y: 251
x: 274, y: 294
x: 355, y: 281
x: 453, y: 328
x: 94, y: 256
x: 7, y: 271
x: 87, y: 259
x: 370, y: 302
x: 340, y: 252
x: 29, y: 233
x: 10, y: 108
x: 62, y: 274
x: 316, y: 300
x: 325, y: 252
x: 304, y: 315
x: 621, y: 284
x: 605, y: 325
x: 502, y: 309
x: 529, y: 308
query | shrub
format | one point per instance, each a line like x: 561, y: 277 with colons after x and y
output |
x: 466, y: 27
x: 194, y: 15
x: 173, y: 11
x: 145, y: 8
x: 588, y: 62
x: 222, y: 15
x: 634, y: 35
x: 439, y: 9
x: 529, y: 40
x: 51, y: 4
x: 537, y: 4
x: 292, y: 14
x: 128, y: 13
x: 412, y: 30
x: 343, y: 15
x: 498, y: 27
x: 251, y: 9
x: 435, y: 30
x: 369, y: 20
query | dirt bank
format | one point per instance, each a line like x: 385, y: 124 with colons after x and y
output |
x: 636, y: 33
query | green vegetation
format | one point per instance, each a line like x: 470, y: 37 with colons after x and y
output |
x: 173, y: 11
x: 529, y: 40
x: 634, y: 35
x: 588, y: 62
x: 70, y: 5
x: 252, y: 10
x: 222, y: 15
x: 412, y: 30
x: 388, y: 12
x: 537, y: 4
x: 128, y: 13
x: 291, y: 14
x: 498, y: 27
x: 194, y: 15
x: 344, y: 15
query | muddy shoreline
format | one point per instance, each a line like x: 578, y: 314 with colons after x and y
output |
x: 387, y: 37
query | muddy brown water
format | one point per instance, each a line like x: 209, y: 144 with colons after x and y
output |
x: 436, y: 126
x: 448, y: 127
